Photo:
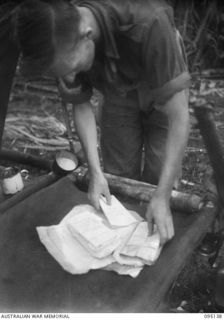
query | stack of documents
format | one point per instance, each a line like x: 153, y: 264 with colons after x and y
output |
x: 113, y: 239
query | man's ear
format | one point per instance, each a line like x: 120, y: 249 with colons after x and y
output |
x: 89, y: 33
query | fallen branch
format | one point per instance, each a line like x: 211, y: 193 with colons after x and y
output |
x: 55, y: 142
x: 38, y: 130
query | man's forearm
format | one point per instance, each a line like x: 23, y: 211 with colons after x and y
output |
x: 178, y: 130
x: 86, y: 128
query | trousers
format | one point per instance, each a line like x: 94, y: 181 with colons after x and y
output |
x: 133, y: 142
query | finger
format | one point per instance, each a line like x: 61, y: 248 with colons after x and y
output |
x: 170, y: 229
x: 94, y: 201
x: 150, y: 225
x: 108, y: 196
x: 163, y: 234
x: 96, y: 204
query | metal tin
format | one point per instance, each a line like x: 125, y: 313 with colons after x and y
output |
x: 64, y: 163
x: 11, y: 180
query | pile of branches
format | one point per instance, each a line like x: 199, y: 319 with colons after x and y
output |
x: 201, y: 24
x: 35, y: 132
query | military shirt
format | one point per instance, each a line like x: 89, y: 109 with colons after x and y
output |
x: 140, y: 51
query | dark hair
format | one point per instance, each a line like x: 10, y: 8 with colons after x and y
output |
x: 40, y: 28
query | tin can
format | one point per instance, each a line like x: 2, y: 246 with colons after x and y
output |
x: 65, y: 162
x: 11, y: 180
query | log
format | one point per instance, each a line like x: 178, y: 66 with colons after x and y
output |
x: 40, y: 183
x: 206, y: 123
x: 142, y: 191
x: 25, y: 158
x: 125, y: 187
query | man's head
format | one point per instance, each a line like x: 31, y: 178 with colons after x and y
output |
x: 54, y: 37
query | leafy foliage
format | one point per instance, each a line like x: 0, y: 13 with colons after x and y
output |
x: 201, y: 24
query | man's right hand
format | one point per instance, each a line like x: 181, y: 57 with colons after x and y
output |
x: 98, y: 187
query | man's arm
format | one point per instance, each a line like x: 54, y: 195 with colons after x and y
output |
x: 86, y: 128
x: 158, y: 209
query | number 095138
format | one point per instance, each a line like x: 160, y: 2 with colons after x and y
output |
x: 212, y: 316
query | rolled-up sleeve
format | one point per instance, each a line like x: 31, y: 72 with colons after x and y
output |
x: 164, y: 62
x: 84, y: 88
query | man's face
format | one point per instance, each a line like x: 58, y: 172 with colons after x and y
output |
x: 70, y: 60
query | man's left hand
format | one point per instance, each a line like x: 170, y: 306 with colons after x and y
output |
x: 158, y: 212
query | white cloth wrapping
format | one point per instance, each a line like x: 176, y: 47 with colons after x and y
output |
x: 67, y: 250
x: 79, y: 243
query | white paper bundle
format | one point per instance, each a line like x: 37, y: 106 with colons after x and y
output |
x: 85, y: 240
x: 141, y: 245
x: 68, y: 252
x: 116, y: 213
x: 92, y: 232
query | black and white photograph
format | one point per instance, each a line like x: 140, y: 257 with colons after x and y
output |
x: 111, y: 159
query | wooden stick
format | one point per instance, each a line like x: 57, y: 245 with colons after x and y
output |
x: 142, y: 191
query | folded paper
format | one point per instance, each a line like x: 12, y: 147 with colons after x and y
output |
x: 89, y: 239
